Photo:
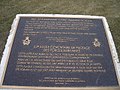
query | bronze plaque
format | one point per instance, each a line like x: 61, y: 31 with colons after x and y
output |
x: 60, y: 52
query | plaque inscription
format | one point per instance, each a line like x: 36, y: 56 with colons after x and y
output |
x: 60, y: 52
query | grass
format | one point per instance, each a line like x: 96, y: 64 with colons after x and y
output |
x: 107, y: 8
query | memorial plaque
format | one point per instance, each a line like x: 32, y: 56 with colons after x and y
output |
x: 60, y: 52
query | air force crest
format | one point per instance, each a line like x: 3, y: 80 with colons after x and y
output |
x: 26, y: 41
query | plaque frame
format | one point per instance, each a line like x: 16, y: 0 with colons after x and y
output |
x: 10, y: 40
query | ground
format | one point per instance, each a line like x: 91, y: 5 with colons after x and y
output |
x: 108, y: 8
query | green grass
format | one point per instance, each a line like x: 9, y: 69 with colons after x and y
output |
x: 108, y: 8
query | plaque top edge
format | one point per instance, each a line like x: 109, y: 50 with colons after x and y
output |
x: 60, y: 15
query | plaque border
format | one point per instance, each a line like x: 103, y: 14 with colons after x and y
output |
x: 10, y: 40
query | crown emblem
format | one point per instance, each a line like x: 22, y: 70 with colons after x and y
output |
x: 26, y: 41
x: 96, y: 43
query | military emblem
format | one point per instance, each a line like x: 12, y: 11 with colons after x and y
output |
x: 96, y: 43
x: 26, y: 41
